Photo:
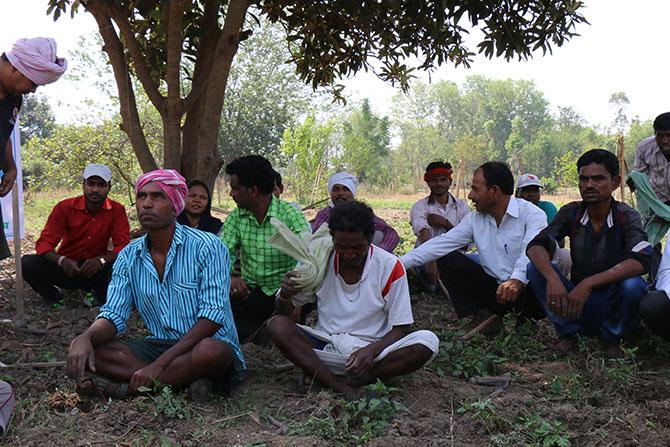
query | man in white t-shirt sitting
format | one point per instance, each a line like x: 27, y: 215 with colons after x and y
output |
x: 364, y: 312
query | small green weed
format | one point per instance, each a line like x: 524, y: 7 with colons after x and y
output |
x: 520, y: 344
x: 359, y: 421
x: 369, y: 418
x: 170, y: 405
x: 531, y: 429
x: 485, y: 411
x: 570, y: 387
x: 460, y: 359
x: 621, y: 372
x: 324, y: 427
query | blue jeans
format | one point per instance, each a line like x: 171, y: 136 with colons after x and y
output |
x: 611, y: 312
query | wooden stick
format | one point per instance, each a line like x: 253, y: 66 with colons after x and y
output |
x: 16, y: 230
x: 490, y: 321
x: 256, y: 363
x: 220, y: 210
x: 315, y: 204
x: 622, y: 160
x: 443, y: 289
x: 34, y: 365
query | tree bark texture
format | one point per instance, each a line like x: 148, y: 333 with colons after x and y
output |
x: 131, y: 124
x: 191, y: 147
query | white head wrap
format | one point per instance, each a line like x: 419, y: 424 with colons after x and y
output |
x: 36, y: 60
x: 345, y: 179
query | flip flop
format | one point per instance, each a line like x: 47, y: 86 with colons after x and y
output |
x: 95, y: 385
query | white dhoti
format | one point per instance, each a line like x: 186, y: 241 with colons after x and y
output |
x: 6, y: 405
x: 339, y: 347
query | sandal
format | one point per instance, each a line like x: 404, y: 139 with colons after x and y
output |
x: 95, y: 385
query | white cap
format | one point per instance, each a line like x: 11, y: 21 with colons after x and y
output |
x: 96, y: 170
x: 528, y: 180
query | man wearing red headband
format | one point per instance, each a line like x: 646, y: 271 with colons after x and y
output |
x: 436, y: 214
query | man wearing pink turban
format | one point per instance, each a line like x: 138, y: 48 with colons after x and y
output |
x: 177, y: 278
x: 29, y: 64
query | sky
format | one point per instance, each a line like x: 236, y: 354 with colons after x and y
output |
x: 619, y: 51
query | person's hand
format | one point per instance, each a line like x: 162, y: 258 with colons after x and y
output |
x: 576, y: 299
x: 238, y: 288
x: 359, y: 361
x: 90, y: 267
x: 288, y: 286
x: 7, y: 183
x: 557, y: 296
x: 70, y: 267
x: 435, y: 220
x: 509, y: 291
x: 79, y: 355
x: 432, y: 272
x: 146, y: 376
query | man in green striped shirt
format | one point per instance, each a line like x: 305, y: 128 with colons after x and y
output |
x: 246, y: 232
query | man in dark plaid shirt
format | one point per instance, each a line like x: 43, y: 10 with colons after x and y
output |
x: 247, y: 231
x: 609, y: 251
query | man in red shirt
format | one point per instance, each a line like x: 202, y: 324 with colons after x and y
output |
x: 83, y: 226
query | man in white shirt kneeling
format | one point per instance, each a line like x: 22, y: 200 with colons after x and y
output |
x: 364, y: 312
x: 500, y: 228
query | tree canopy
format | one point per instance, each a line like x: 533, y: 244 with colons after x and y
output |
x: 181, y: 51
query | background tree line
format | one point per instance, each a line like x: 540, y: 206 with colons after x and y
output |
x: 268, y: 110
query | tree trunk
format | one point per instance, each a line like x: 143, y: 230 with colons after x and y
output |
x: 200, y: 156
x: 130, y: 124
x: 173, y: 112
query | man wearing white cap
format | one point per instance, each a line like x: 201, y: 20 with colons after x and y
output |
x: 72, y: 251
x: 342, y: 189
x: 528, y: 188
x: 30, y: 63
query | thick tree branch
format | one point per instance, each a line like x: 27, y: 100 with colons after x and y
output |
x: 136, y: 54
x: 203, y: 64
x: 172, y: 117
x: 131, y: 120
x: 226, y: 48
x: 174, y: 38
x: 200, y: 154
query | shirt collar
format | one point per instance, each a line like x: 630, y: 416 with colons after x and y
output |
x: 336, y: 263
x: 513, y: 207
x: 80, y: 203
x: 451, y: 202
x: 585, y: 217
x: 177, y: 239
x: 273, y: 210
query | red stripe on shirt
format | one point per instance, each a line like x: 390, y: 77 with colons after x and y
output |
x: 397, y: 273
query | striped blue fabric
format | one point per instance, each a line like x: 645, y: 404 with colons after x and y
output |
x: 195, y: 285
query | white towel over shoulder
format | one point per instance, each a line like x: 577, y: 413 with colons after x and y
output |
x: 310, y: 250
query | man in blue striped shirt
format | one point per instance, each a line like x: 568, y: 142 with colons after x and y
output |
x: 178, y: 281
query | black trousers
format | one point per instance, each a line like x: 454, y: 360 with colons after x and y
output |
x: 251, y: 312
x: 655, y: 311
x: 44, y: 276
x: 472, y: 289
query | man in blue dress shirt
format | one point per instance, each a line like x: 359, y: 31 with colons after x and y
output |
x: 177, y: 279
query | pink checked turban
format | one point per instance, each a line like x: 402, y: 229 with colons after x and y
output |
x: 172, y: 184
x: 36, y: 60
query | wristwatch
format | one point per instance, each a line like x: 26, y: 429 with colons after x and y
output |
x: 102, y: 261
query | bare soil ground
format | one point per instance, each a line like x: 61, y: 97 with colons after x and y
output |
x: 581, y: 399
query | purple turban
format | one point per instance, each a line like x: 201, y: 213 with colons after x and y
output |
x: 172, y: 184
x: 36, y: 60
